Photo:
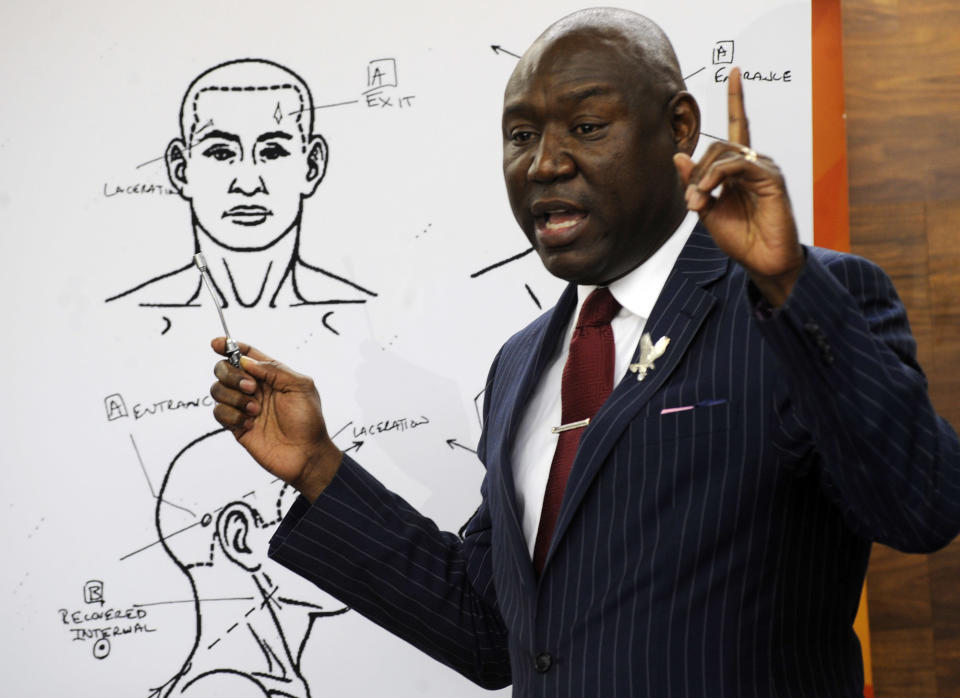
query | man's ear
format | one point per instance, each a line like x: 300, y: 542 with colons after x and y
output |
x: 685, y: 121
x: 237, y: 529
x: 176, y: 159
x: 316, y: 164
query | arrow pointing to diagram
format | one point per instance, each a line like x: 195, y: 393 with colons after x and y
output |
x: 452, y: 443
x: 498, y: 49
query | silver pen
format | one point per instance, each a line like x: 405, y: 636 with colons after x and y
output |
x: 233, y: 349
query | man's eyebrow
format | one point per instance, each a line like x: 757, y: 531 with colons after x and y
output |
x: 574, y: 96
x: 219, y: 134
x: 514, y: 109
x: 586, y: 92
x: 270, y: 135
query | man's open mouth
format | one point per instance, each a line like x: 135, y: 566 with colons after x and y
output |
x: 557, y: 222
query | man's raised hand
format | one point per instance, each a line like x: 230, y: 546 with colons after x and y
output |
x: 750, y: 218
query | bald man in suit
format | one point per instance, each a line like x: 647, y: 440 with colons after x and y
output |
x: 713, y: 531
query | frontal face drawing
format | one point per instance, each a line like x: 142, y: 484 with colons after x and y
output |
x: 248, y: 163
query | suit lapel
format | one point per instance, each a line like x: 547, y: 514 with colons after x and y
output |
x: 679, y: 312
x: 518, y: 383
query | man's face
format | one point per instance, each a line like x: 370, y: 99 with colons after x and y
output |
x: 587, y: 159
x: 248, y: 165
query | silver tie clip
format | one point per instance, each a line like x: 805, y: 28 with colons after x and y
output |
x: 572, y: 425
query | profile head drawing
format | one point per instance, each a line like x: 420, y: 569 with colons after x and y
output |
x: 215, y: 514
x: 247, y: 155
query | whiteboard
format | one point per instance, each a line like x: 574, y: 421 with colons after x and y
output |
x: 410, y: 222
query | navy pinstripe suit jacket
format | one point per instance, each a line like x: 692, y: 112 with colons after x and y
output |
x: 718, y: 551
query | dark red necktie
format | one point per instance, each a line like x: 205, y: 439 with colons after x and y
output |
x: 586, y: 384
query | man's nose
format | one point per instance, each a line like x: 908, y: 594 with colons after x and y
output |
x: 247, y: 180
x: 552, y: 159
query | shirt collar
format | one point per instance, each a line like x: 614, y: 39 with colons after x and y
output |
x: 638, y: 290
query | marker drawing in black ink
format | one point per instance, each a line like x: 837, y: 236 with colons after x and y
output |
x: 326, y: 106
x: 501, y: 263
x: 716, y: 138
x: 533, y: 296
x: 253, y: 617
x: 341, y: 429
x: 381, y: 73
x: 478, y: 407
x: 504, y: 262
x: 199, y: 130
x: 355, y: 446
x: 723, y: 52
x: 453, y: 443
x: 146, y: 476
x: 498, y: 49
x: 324, y: 320
x: 101, y: 625
x: 393, y: 425
x: 246, y: 159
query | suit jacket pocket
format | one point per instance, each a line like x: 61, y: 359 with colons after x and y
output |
x: 682, y: 424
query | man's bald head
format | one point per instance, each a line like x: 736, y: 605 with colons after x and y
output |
x: 592, y: 116
x: 646, y: 50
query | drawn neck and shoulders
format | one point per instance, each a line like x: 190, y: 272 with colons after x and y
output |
x: 242, y: 648
x: 249, y: 277
x: 273, y: 277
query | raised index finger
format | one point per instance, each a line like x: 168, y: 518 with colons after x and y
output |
x: 736, y: 115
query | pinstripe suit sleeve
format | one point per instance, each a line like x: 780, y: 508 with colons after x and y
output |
x: 374, y: 552
x: 886, y: 458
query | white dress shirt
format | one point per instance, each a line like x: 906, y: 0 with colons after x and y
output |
x: 637, y: 292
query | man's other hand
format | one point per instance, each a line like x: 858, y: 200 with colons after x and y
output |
x: 275, y: 414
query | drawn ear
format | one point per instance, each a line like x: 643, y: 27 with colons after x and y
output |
x: 176, y: 159
x: 237, y: 528
x: 316, y: 164
x: 685, y: 121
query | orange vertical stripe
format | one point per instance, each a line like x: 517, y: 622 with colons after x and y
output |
x: 831, y: 203
x: 831, y: 206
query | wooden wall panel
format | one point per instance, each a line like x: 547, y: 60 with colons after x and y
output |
x: 944, y: 243
x: 902, y: 89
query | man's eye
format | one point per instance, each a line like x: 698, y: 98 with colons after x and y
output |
x: 219, y: 152
x: 522, y: 136
x: 586, y: 129
x: 273, y: 151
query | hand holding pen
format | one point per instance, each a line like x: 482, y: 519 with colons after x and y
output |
x: 275, y: 413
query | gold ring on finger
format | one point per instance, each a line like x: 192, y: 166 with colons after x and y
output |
x: 749, y: 154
